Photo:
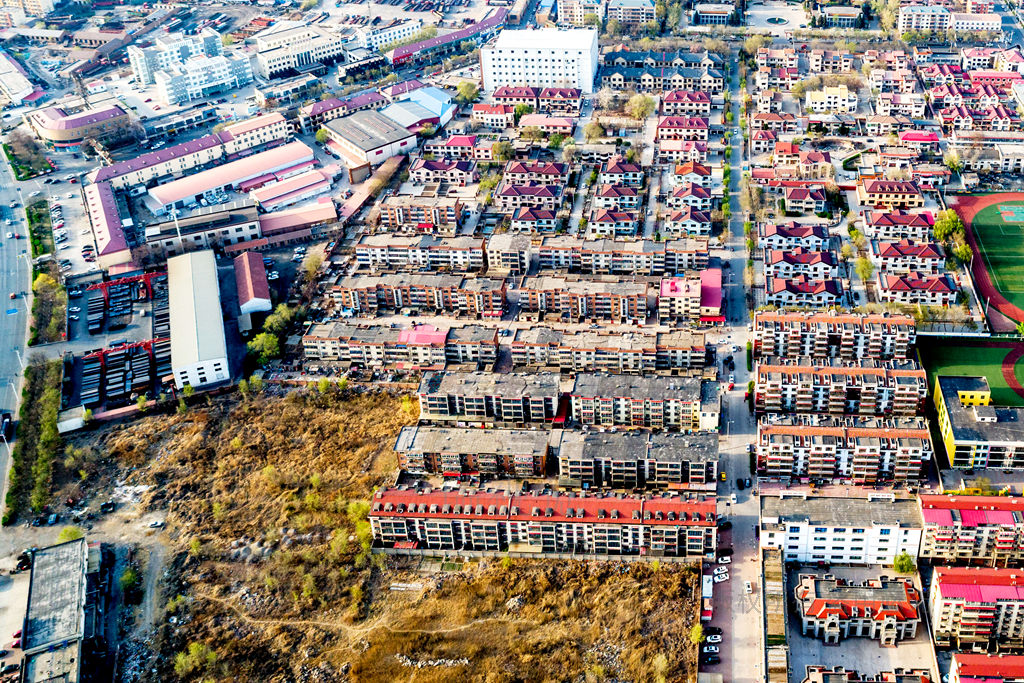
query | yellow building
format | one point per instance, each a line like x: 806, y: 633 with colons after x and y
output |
x: 974, y: 432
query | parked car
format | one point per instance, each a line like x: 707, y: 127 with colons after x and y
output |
x: 748, y: 587
x: 719, y: 578
x: 725, y: 560
x: 725, y: 526
x: 739, y: 483
x: 710, y: 649
x: 714, y: 638
x: 712, y: 631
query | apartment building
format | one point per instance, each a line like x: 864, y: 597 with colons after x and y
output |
x: 834, y: 335
x: 892, y: 80
x: 455, y: 294
x: 686, y: 404
x: 631, y: 12
x: 172, y: 49
x: 172, y: 162
x: 890, y: 194
x: 786, y: 57
x: 835, y: 386
x: 917, y: 288
x: 686, y: 103
x: 59, y: 128
x: 825, y: 448
x: 458, y: 172
x: 543, y: 57
x: 990, y: 668
x: 488, y: 399
x: 676, y: 352
x: 630, y: 460
x: 418, y: 346
x: 837, y: 99
x: 974, y: 608
x: 422, y: 213
x: 585, y: 299
x: 883, y: 609
x: 622, y: 257
x: 201, y: 76
x: 787, y: 236
x: 374, y: 37
x: 970, y: 530
x: 420, y: 253
x: 898, y: 225
x: 574, y: 12
x: 487, y: 452
x: 814, y: 265
x: 291, y: 50
x: 829, y: 61
x: 656, y: 79
x: 975, y: 432
x: 509, y: 254
x: 818, y: 673
x: 861, y: 531
x: 285, y: 93
x: 924, y: 18
x: 696, y: 299
x: 907, y: 256
x: 665, y: 525
x: 907, y: 104
x: 804, y: 292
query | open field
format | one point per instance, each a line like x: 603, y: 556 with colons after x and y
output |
x: 270, y: 577
x: 974, y: 359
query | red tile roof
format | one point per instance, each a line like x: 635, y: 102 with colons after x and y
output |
x: 251, y: 278
x: 991, y: 667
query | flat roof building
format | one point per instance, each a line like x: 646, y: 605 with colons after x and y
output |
x: 446, y: 450
x: 367, y: 137
x: 199, y: 352
x: 975, y: 432
x: 546, y: 57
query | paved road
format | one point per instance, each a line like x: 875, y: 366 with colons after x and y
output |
x: 15, y: 276
x: 737, y: 612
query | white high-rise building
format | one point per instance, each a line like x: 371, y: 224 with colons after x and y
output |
x: 543, y: 58
x: 170, y: 50
x: 201, y: 76
x: 372, y: 37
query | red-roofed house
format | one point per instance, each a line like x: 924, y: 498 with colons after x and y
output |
x: 985, y: 668
x: 529, y: 219
x: 816, y: 265
x: 513, y: 95
x: 883, y: 609
x: 898, y: 225
x: 618, y: 171
x: 683, y: 128
x: 453, y: 171
x: 545, y: 173
x: 617, y: 197
x: 780, y: 123
x: 688, y: 221
x: 683, y: 150
x: 560, y: 100
x: 562, y: 125
x: 976, y: 608
x: 786, y: 152
x: 890, y: 194
x: 907, y: 256
x: 806, y: 199
x: 792, y: 235
x: 692, y: 172
x: 686, y: 103
x: 454, y: 147
x: 762, y: 141
x: 494, y: 116
x: 800, y: 291
x: 251, y: 283
x: 605, y: 223
x: 510, y: 197
x: 916, y: 288
x: 692, y: 195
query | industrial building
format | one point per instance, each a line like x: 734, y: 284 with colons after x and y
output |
x: 367, y: 137
x: 199, y: 352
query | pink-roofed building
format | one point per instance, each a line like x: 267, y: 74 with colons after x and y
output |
x: 251, y: 283
x: 679, y: 298
x: 711, y: 296
x: 57, y: 127
x: 547, y: 124
x: 973, y: 530
x: 977, y: 608
x: 105, y: 219
x: 295, y: 189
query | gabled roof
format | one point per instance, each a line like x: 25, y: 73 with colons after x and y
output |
x: 688, y: 167
x: 917, y: 282
x: 691, y: 190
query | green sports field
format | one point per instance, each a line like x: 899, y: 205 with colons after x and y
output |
x: 999, y: 230
x: 972, y: 360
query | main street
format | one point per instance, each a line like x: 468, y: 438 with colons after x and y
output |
x: 737, y: 612
x: 15, y: 277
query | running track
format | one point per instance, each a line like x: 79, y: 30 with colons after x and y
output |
x: 968, y: 207
x: 1015, y: 351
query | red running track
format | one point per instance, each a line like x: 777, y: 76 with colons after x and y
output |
x: 967, y: 207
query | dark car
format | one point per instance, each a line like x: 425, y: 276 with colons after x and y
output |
x: 10, y: 668
x: 712, y: 631
x: 712, y: 659
x: 724, y: 552
x: 109, y: 506
x: 725, y: 526
x: 739, y: 484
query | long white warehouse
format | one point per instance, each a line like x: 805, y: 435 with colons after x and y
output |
x: 199, y: 350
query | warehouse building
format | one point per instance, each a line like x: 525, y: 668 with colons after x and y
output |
x: 199, y: 351
x: 367, y: 137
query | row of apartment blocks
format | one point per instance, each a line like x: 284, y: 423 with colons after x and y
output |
x: 514, y: 254
x: 588, y: 459
x: 543, y: 399
x: 834, y: 335
x: 942, y: 530
x: 860, y: 450
x: 425, y: 347
x: 454, y: 294
x: 834, y: 386
x: 667, y: 525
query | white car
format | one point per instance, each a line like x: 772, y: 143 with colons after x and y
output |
x: 10, y: 235
x: 719, y: 578
x: 35, y: 194
x: 714, y: 639
x: 725, y: 559
x: 748, y: 587
x: 710, y: 649
x: 71, y: 195
x: 75, y: 309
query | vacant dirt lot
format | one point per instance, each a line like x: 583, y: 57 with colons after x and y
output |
x: 270, y: 577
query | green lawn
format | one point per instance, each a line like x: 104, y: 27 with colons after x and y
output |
x: 1002, y: 246
x: 972, y: 360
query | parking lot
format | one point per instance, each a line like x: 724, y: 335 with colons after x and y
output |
x: 863, y: 655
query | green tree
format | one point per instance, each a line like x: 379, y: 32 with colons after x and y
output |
x: 531, y: 133
x: 640, y: 106
x: 322, y: 136
x: 697, y: 634
x: 864, y: 268
x: 592, y: 131
x: 520, y: 111
x: 198, y: 657
x: 613, y: 27
x: 468, y: 91
x: 141, y: 403
x: 264, y: 347
x: 188, y: 390
x: 962, y: 252
x: 70, y: 533
x: 591, y: 19
x: 555, y: 141
x: 904, y: 563
x: 953, y: 162
x: 503, y: 151
x: 846, y: 252
x: 1020, y: 328
x: 947, y: 224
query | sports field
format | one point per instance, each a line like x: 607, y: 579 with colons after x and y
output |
x: 995, y: 230
x: 992, y: 360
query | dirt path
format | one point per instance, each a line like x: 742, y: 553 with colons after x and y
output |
x: 150, y: 588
